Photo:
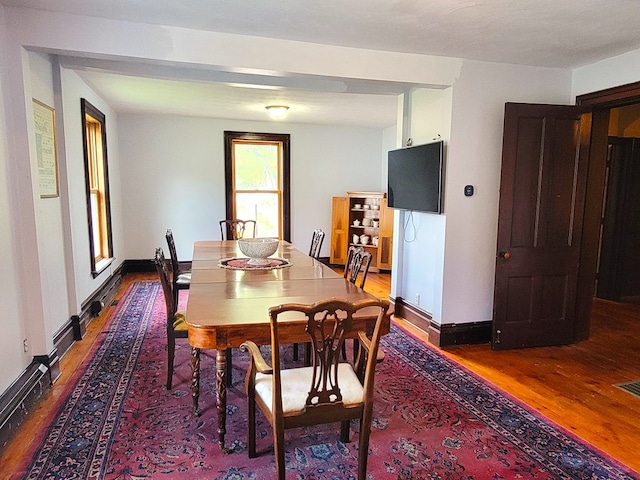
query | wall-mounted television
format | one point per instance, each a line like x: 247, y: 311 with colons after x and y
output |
x: 415, y: 178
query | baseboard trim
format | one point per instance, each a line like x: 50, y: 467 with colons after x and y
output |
x: 19, y: 400
x: 411, y: 314
x: 443, y: 335
x: 459, y: 334
x: 143, y: 266
x: 52, y: 363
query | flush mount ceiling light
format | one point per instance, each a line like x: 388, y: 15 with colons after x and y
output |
x: 277, y: 111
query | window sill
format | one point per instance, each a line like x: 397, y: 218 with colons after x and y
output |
x: 101, y: 266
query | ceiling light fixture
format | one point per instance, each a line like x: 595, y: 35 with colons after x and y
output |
x: 277, y: 111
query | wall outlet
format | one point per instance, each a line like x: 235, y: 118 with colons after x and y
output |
x: 417, y: 299
x: 25, y: 345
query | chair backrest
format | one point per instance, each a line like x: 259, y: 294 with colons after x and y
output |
x: 316, y: 243
x: 235, y: 228
x: 163, y: 272
x: 329, y: 322
x: 173, y: 257
x: 358, y: 261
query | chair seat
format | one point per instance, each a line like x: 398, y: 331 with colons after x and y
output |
x: 297, y: 381
x: 180, y: 323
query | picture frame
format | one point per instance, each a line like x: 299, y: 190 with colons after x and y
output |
x: 44, y: 118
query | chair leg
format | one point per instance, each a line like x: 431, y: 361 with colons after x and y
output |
x: 171, y: 351
x: 278, y: 447
x: 363, y: 447
x: 251, y: 421
x: 344, y: 431
x: 295, y: 351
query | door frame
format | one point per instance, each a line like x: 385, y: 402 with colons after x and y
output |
x: 601, y: 102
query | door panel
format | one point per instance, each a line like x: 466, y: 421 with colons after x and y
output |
x: 542, y: 194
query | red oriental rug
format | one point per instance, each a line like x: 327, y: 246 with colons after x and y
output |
x: 432, y: 420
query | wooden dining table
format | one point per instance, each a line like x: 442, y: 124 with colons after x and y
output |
x: 227, y: 306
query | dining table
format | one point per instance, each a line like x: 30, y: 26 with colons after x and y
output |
x: 229, y: 301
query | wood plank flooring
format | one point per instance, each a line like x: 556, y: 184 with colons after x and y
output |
x: 572, y: 385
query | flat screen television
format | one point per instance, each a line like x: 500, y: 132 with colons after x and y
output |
x: 415, y: 177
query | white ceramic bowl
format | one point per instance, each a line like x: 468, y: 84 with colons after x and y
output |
x: 258, y: 249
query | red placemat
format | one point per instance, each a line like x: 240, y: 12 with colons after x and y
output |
x: 242, y: 263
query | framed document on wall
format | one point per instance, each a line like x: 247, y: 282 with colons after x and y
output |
x: 45, y: 128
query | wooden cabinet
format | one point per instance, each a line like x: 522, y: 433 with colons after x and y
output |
x: 339, y: 230
x: 363, y: 219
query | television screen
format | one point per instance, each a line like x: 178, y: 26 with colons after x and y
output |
x: 415, y: 178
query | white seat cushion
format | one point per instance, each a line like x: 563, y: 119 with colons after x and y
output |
x: 296, y: 383
x: 184, y: 279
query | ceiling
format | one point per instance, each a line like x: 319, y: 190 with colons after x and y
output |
x: 550, y: 33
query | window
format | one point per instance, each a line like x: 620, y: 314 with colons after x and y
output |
x: 94, y: 141
x: 257, y: 181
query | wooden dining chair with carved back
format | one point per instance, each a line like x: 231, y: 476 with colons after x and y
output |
x: 316, y: 243
x: 357, y: 266
x: 314, y: 251
x: 328, y: 390
x: 233, y: 229
x: 180, y: 277
x: 175, y: 322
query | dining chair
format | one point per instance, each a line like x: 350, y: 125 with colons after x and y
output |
x: 314, y: 251
x: 175, y: 322
x: 316, y: 243
x: 358, y: 262
x: 233, y: 229
x: 180, y: 278
x: 329, y: 390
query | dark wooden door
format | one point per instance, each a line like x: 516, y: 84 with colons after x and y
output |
x: 542, y: 198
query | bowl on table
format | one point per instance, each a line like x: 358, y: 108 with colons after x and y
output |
x: 258, y: 249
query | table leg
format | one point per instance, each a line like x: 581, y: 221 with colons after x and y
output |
x: 221, y: 384
x: 229, y: 366
x: 195, y: 379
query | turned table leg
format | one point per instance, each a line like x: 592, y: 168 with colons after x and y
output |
x: 195, y: 379
x: 221, y: 384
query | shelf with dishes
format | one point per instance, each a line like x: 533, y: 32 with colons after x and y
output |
x: 362, y: 214
x: 364, y: 240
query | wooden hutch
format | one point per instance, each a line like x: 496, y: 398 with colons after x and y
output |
x: 362, y: 214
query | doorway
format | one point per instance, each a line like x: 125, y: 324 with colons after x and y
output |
x: 618, y: 276
x: 617, y: 126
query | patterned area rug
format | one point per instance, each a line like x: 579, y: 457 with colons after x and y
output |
x: 432, y: 420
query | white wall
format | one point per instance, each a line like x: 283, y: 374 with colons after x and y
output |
x: 448, y: 260
x: 608, y: 73
x: 49, y: 269
x: 50, y: 224
x: 173, y: 177
x: 84, y: 285
x: 474, y: 157
x: 419, y: 237
x: 12, y: 358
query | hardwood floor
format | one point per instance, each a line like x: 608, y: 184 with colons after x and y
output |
x: 572, y: 385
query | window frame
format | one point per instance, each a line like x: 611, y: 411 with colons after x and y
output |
x: 98, y: 264
x: 284, y: 139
